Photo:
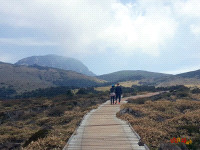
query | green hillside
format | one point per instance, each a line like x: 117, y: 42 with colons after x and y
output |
x: 191, y: 74
x: 24, y: 78
x: 190, y: 79
x: 130, y: 75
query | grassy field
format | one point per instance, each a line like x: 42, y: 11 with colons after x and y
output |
x: 43, y: 123
x: 124, y: 84
x: 158, y: 120
x: 103, y: 89
x: 48, y: 122
x: 129, y: 83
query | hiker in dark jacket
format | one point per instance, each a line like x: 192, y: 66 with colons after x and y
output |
x: 118, y: 92
x: 112, y: 94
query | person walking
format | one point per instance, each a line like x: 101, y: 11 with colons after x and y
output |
x: 118, y: 93
x: 112, y: 94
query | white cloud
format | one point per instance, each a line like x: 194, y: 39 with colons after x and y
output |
x: 132, y: 31
x: 195, y: 29
x: 25, y: 42
x: 187, y: 8
x: 93, y: 26
x: 183, y: 70
x: 7, y: 57
x: 189, y: 12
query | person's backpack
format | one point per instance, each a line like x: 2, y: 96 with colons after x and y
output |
x: 112, y: 92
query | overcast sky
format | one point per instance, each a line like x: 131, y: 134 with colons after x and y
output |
x: 106, y: 35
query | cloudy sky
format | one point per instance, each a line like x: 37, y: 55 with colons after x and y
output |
x: 106, y: 35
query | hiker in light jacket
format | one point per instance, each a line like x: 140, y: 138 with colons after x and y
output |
x: 112, y: 94
x: 118, y: 92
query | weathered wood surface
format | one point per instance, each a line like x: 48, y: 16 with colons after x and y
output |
x: 100, y: 129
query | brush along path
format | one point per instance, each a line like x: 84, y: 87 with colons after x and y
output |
x: 100, y: 129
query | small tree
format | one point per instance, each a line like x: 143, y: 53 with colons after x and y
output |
x: 82, y: 91
x: 69, y: 93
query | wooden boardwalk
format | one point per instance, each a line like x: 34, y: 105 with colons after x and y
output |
x: 100, y: 129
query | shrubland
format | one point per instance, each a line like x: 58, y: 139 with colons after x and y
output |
x: 160, y: 118
x: 45, y: 118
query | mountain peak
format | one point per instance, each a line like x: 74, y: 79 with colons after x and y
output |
x: 56, y: 61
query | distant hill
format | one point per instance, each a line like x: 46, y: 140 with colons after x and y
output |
x: 191, y: 74
x: 131, y: 75
x: 155, y: 79
x: 172, y: 81
x: 191, y: 79
x: 26, y: 78
x: 55, y: 61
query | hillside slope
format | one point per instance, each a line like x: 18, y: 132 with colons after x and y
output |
x: 24, y: 78
x: 190, y: 79
x: 156, y: 79
x: 191, y: 74
x: 55, y: 61
x: 130, y: 75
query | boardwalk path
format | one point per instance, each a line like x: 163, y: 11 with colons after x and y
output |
x: 102, y: 130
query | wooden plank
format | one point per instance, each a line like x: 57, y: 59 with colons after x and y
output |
x: 101, y: 129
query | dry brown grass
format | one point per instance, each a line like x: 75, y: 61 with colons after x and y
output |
x: 56, y: 139
x: 60, y: 117
x: 124, y: 84
x: 129, y: 83
x: 103, y: 89
x: 61, y: 129
x: 162, y: 120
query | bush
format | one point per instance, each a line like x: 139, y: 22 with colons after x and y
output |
x: 48, y: 92
x: 182, y: 94
x: 57, y: 111
x: 89, y: 90
x: 6, y: 93
x: 69, y: 93
x: 144, y: 88
x: 82, y: 91
x: 39, y: 134
x: 138, y: 101
x: 191, y: 128
x: 195, y: 91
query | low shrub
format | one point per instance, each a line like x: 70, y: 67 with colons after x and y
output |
x: 38, y: 135
x: 57, y: 111
x: 164, y: 120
